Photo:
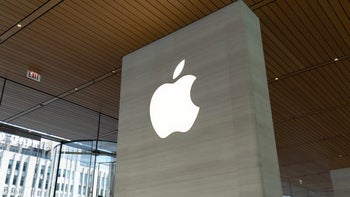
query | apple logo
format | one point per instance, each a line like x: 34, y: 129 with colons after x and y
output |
x: 171, y: 107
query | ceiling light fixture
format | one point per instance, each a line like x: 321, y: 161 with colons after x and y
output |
x: 276, y: 78
x: 19, y: 25
x: 336, y: 59
x: 340, y: 155
x: 300, y: 181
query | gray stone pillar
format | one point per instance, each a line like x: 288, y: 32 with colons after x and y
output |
x: 229, y: 151
x: 341, y: 182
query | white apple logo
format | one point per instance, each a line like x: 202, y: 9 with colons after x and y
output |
x: 171, y: 108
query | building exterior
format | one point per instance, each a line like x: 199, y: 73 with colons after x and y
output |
x: 26, y: 170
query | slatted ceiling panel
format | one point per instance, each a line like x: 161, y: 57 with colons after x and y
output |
x: 191, y: 7
x: 278, y: 64
x: 156, y: 15
x: 108, y: 128
x: 104, y: 24
x: 219, y: 4
x: 194, y: 9
x: 250, y: 2
x: 340, y: 145
x: 125, y: 12
x: 294, y: 93
x: 52, y: 51
x: 340, y: 11
x: 338, y: 163
x: 212, y: 5
x: 227, y: 2
x: 74, y: 28
x: 132, y: 9
x: 25, y: 63
x: 13, y: 12
x: 68, y: 120
x: 287, y: 25
x: 165, y: 9
x: 312, y: 129
x: 328, y: 85
x: 307, y: 29
x: 334, y: 26
x: 336, y: 85
x: 271, y: 40
x: 17, y: 98
x: 102, y: 96
x: 325, y: 26
x: 285, y: 37
x: 279, y: 112
x: 181, y: 10
x: 119, y: 22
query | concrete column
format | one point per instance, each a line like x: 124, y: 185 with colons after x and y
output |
x: 341, y: 182
x: 230, y: 149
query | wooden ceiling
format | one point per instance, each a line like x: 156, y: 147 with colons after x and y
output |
x: 306, y: 46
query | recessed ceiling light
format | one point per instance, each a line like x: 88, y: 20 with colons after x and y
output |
x: 75, y: 89
x: 340, y: 155
x: 113, y: 71
x: 336, y: 59
x: 300, y: 181
x: 19, y: 25
x: 276, y: 78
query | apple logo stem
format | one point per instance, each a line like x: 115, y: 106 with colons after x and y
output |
x: 171, y: 107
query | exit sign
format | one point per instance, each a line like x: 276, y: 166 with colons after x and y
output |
x: 33, y: 75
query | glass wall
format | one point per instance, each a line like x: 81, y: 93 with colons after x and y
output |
x: 84, y: 169
x: 25, y: 166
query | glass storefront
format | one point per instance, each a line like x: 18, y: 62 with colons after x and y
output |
x: 84, y: 168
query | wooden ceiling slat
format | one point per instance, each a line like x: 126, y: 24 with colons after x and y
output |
x: 289, y: 28
x: 182, y: 18
x: 227, y: 2
x: 133, y: 13
x: 308, y: 29
x: 139, y: 8
x: 209, y: 5
x: 313, y: 8
x: 304, y: 94
x: 281, y: 94
x: 100, y: 25
x: 184, y: 10
x: 341, y: 34
x: 123, y: 13
x: 10, y: 16
x: 343, y: 19
x: 346, y: 6
x: 64, y: 29
x: 117, y: 23
x: 35, y: 49
x: 204, y: 9
x: 266, y: 33
x: 167, y: 9
x: 275, y: 63
x: 325, y: 89
x: 249, y: 2
x: 146, y: 5
x: 269, y: 73
x: 280, y: 112
x: 275, y: 54
x: 218, y: 4
x: 194, y: 9
x: 341, y: 82
x: 272, y: 29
